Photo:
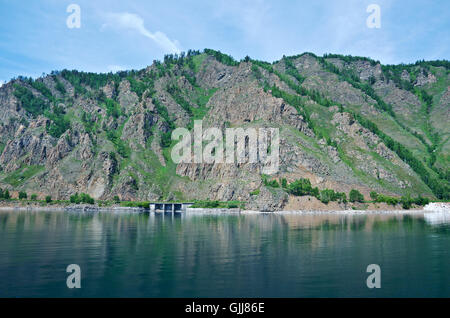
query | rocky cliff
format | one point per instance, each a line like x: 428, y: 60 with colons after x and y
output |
x: 345, y: 122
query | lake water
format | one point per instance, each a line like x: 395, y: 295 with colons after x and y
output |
x: 222, y: 255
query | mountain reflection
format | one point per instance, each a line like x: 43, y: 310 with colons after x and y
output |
x: 182, y: 255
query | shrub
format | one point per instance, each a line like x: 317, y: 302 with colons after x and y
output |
x: 326, y: 195
x: 59, y: 86
x: 34, y: 197
x: 116, y: 199
x: 48, y: 199
x: 421, y: 201
x: 6, y: 195
x: 387, y: 199
x: 206, y: 204
x: 302, y: 187
x: 33, y: 105
x: 112, y: 108
x: 82, y: 198
x: 270, y: 183
x: 406, y: 202
x: 59, y: 123
x: 356, y: 196
x: 22, y: 195
x: 74, y: 198
x: 341, y: 197
x: 373, y: 195
x: 166, y: 139
x: 130, y: 204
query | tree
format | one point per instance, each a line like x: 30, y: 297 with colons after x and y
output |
x: 116, y: 199
x: 302, y: 187
x: 406, y: 202
x: 74, y: 198
x: 34, y: 197
x: 86, y: 198
x: 48, y: 199
x: 22, y: 195
x: 373, y: 195
x: 82, y: 198
x: 284, y: 183
x: 6, y: 195
x: 326, y: 195
x: 356, y: 196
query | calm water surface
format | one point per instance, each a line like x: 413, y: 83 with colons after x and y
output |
x: 246, y: 255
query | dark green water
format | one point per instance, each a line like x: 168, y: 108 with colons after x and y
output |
x: 247, y: 255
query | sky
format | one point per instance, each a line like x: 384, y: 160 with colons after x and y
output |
x: 119, y: 35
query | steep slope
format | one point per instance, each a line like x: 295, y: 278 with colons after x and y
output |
x: 345, y: 122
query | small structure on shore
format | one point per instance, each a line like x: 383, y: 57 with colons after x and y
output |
x: 169, y: 207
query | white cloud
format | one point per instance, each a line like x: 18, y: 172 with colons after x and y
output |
x: 125, y: 20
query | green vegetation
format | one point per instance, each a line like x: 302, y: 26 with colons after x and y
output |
x: 121, y: 146
x: 428, y: 159
x: 22, y: 195
x: 355, y: 196
x: 59, y: 86
x: 302, y: 187
x: 89, y: 122
x: 80, y: 80
x: 134, y: 204
x: 33, y: 197
x: 327, y: 195
x: 48, y: 199
x: 296, y: 86
x: 59, y: 122
x: 32, y: 104
x: 373, y: 195
x: 40, y: 86
x: 18, y: 177
x: 348, y: 76
x: 137, y: 87
x: 82, y: 198
x: 166, y: 137
x: 406, y: 201
x: 207, y: 204
x: 176, y: 94
x: 4, y: 194
x: 439, y: 188
x: 222, y: 58
x: 112, y: 108
x: 269, y: 183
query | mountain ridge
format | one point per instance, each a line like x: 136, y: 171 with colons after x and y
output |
x: 345, y: 122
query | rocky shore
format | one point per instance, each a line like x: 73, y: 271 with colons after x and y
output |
x: 371, y: 208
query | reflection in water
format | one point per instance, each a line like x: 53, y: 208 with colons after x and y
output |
x: 182, y: 255
x: 437, y: 218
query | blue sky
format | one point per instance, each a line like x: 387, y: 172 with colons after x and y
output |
x: 114, y: 35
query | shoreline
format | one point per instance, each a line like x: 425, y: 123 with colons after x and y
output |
x: 429, y: 208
